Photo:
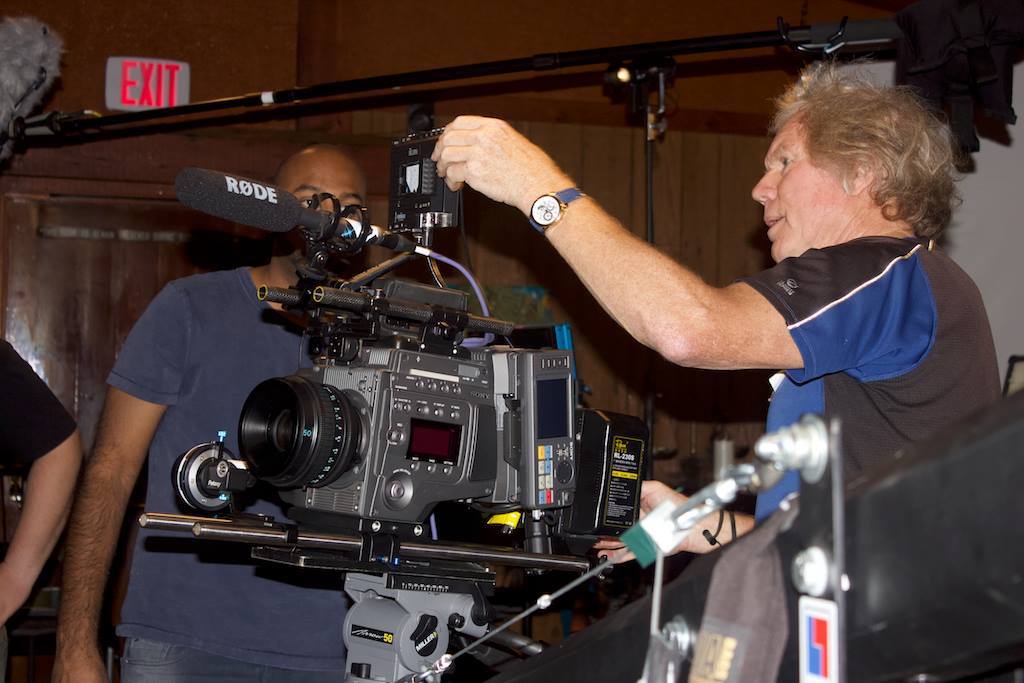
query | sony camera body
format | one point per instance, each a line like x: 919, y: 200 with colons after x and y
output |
x: 397, y: 431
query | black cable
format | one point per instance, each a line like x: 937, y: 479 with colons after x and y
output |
x: 465, y: 237
x: 712, y: 538
x: 495, y: 508
x: 732, y: 524
x: 435, y: 272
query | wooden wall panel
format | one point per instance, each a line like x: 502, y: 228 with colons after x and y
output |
x: 613, y: 364
x: 144, y: 166
x: 747, y: 249
x: 712, y: 91
x: 233, y: 46
x: 72, y: 299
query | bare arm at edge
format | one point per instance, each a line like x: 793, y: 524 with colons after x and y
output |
x: 48, y: 493
x: 126, y: 427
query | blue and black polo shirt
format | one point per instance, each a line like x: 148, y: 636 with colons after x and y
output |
x: 895, y: 341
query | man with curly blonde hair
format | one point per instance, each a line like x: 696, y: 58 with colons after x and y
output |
x: 866, y: 317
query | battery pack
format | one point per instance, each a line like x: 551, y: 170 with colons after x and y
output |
x: 612, y: 453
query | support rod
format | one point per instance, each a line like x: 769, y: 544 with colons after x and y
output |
x: 229, y: 530
x: 869, y: 33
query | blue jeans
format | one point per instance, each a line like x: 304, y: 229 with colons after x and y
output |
x: 148, y: 661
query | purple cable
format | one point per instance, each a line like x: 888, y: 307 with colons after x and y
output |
x: 472, y: 342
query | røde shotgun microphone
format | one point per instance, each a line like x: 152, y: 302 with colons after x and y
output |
x: 246, y: 201
x: 260, y: 205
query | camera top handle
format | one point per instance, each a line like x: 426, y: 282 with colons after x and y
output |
x: 359, y: 302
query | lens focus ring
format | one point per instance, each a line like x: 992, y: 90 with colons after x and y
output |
x: 297, y: 433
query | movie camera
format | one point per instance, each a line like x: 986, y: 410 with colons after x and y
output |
x: 403, y: 409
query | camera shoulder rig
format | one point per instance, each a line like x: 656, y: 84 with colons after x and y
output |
x: 398, y: 315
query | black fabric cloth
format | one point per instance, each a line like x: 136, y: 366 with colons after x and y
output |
x: 33, y: 422
x: 745, y: 626
x: 958, y: 52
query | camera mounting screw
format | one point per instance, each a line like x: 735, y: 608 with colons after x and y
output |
x: 375, y: 526
x: 417, y: 530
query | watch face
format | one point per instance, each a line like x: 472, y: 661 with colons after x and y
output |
x: 546, y: 210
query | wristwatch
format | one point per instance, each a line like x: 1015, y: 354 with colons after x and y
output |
x: 549, y: 208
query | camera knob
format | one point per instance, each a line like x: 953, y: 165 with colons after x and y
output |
x: 564, y: 472
x: 398, y: 491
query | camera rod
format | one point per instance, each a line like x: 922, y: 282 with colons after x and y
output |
x: 361, y: 303
x: 821, y: 38
x: 277, y: 535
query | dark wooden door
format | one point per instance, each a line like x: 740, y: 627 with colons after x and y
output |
x: 80, y: 271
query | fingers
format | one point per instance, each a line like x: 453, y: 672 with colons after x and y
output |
x: 495, y: 160
x: 453, y: 185
x: 446, y: 155
x: 618, y: 556
x: 653, y: 493
x: 462, y: 132
x: 467, y: 122
x: 614, y: 550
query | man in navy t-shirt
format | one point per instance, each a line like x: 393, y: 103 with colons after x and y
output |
x: 866, y: 317
x: 199, y: 611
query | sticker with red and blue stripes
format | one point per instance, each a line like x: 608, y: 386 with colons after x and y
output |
x: 819, y: 649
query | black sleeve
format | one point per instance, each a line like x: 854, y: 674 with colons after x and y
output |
x: 802, y: 287
x: 33, y: 422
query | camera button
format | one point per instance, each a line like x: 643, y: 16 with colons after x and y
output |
x: 438, y: 412
x: 431, y: 468
x: 398, y: 491
x: 423, y: 410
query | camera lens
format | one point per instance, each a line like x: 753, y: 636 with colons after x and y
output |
x: 295, y: 432
x: 282, y: 431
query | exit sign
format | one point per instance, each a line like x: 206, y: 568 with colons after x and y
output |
x: 138, y: 83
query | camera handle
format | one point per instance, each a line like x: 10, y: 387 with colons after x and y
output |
x: 359, y: 302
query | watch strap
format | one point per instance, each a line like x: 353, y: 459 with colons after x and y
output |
x: 564, y: 197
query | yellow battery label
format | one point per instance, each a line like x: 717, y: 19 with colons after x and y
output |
x: 623, y: 494
x: 509, y: 519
